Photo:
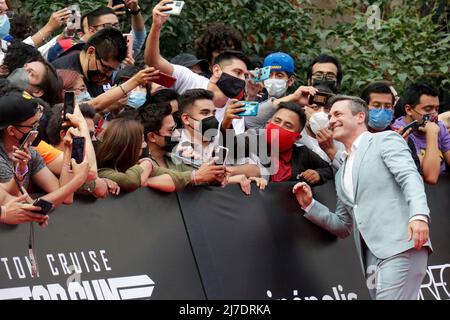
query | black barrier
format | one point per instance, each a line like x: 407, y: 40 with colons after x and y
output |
x: 229, y: 246
x: 130, y: 247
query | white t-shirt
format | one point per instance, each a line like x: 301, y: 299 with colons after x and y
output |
x: 187, y: 79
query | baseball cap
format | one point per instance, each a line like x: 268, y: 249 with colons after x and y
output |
x: 189, y: 60
x: 16, y: 107
x: 280, y: 61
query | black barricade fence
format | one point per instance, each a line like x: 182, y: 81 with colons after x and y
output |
x: 131, y: 247
x: 213, y: 243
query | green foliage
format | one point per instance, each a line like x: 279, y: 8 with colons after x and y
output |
x: 408, y: 45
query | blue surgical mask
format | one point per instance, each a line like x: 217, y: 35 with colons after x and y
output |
x: 4, y: 26
x: 137, y: 99
x: 84, y: 96
x: 379, y: 119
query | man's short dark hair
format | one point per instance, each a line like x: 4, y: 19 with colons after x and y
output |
x: 94, y: 15
x: 151, y: 116
x: 413, y: 93
x: 217, y: 37
x: 55, y: 121
x: 109, y: 44
x: 163, y: 95
x: 356, y: 105
x: 230, y: 55
x: 188, y: 98
x: 294, y: 107
x: 376, y: 87
x: 22, y: 26
x: 18, y: 54
x: 325, y: 58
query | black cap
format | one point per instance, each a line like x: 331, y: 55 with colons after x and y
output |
x: 17, y: 107
x: 189, y: 60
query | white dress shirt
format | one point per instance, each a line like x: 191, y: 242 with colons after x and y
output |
x: 347, y: 183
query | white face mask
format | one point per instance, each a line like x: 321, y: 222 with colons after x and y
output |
x: 318, y: 120
x: 276, y: 87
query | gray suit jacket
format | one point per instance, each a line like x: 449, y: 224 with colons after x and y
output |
x: 388, y: 192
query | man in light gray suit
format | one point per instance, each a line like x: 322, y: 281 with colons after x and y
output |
x: 380, y: 195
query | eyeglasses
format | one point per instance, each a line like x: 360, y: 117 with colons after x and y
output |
x: 105, y: 67
x: 324, y: 76
x: 115, y: 25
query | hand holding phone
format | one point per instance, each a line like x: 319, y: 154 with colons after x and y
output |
x: 251, y: 109
x: 129, y: 39
x: 74, y: 21
x: 69, y: 103
x: 45, y: 206
x: 221, y: 153
x: 176, y: 8
x: 320, y: 98
x: 29, y: 139
x: 78, y: 147
x: 414, y: 126
x: 260, y: 74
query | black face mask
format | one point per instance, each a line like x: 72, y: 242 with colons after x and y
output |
x: 326, y: 83
x: 97, y: 77
x: 209, y: 126
x: 231, y: 86
x: 169, y: 143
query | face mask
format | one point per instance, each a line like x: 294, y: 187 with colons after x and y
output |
x: 137, y: 99
x: 209, y: 127
x: 4, y: 26
x: 286, y: 137
x: 19, y: 79
x: 97, y: 77
x: 82, y: 97
x: 317, y: 121
x: 231, y: 86
x: 379, y: 119
x: 169, y: 144
x: 276, y: 87
x: 326, y: 83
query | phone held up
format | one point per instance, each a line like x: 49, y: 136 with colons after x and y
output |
x: 69, y: 103
x: 251, y: 109
x: 260, y: 74
x: 78, y: 147
x: 31, y: 136
x: 320, y: 98
x: 176, y: 7
x: 165, y: 80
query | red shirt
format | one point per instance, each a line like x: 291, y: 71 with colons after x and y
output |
x: 284, y: 164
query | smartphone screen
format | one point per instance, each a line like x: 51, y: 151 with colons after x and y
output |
x: 129, y: 39
x: 69, y: 103
x: 78, y: 149
x: 251, y: 109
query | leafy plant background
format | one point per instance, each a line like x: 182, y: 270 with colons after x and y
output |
x: 412, y: 43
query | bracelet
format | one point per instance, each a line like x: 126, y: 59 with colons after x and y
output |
x: 194, y: 178
x: 42, y: 36
x: 89, y: 186
x: 123, y: 90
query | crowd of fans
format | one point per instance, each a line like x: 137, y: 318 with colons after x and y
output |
x: 186, y: 130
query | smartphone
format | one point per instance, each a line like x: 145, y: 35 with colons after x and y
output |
x: 251, y: 109
x: 129, y: 40
x: 74, y: 21
x: 78, y: 149
x: 414, y: 125
x: 196, y: 163
x: 165, y: 80
x: 117, y: 2
x: 221, y: 153
x: 29, y: 139
x: 260, y: 74
x: 44, y: 205
x: 176, y: 7
x: 69, y: 103
x: 320, y: 98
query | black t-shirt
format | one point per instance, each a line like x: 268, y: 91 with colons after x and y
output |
x: 72, y: 62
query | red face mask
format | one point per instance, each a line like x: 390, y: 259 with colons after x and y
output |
x: 286, y: 138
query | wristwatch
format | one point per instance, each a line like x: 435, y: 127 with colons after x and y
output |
x: 135, y: 13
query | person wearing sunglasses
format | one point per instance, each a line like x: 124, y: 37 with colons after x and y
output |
x: 100, y: 57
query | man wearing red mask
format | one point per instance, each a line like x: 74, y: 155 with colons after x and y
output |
x: 289, y: 161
